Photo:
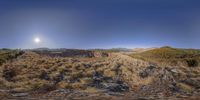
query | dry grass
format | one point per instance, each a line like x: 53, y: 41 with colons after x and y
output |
x: 170, y: 56
x: 185, y: 87
x: 31, y: 71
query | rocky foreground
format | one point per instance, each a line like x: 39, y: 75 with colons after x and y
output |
x: 32, y: 76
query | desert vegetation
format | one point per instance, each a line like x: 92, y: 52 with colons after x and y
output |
x: 106, y: 75
x: 7, y: 54
x: 169, y: 55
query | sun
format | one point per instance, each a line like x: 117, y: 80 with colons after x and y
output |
x: 37, y: 40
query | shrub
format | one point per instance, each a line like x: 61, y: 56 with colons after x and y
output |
x: 78, y: 86
x: 44, y: 75
x: 63, y: 85
x: 184, y: 87
x: 40, y: 84
x: 2, y: 82
x: 192, y: 62
x: 8, y: 74
x: 1, y: 61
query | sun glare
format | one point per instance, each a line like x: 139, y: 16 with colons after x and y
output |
x: 37, y: 40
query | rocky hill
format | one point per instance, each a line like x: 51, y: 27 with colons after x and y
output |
x: 42, y: 75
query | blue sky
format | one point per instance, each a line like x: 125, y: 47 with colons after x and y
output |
x: 99, y: 23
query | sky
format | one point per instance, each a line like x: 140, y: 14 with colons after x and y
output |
x: 86, y: 24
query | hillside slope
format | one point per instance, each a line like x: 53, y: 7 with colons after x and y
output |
x: 172, y: 56
x: 118, y: 76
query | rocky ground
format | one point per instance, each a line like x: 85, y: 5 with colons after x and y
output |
x: 32, y: 76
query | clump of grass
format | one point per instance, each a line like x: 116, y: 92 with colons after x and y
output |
x: 8, y: 54
x: 63, y: 85
x: 109, y: 73
x: 192, y: 62
x: 2, y: 83
x: 184, y: 87
x: 78, y: 86
x: 9, y: 73
x: 39, y: 84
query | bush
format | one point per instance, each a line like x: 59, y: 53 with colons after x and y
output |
x: 8, y: 74
x: 44, y: 75
x: 184, y: 87
x: 192, y: 62
x: 40, y: 84
x: 1, y: 61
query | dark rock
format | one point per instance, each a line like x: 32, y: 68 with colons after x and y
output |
x: 59, y: 91
x: 59, y: 77
x: 87, y: 65
x: 114, y: 87
x: 192, y: 62
x: 142, y: 98
x: 173, y: 87
x: 44, y: 75
x: 166, y: 76
x: 2, y: 90
x: 147, y: 72
x: 20, y: 94
x: 8, y: 74
x: 193, y: 82
x: 97, y: 79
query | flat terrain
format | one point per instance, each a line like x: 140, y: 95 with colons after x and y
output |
x: 160, y: 73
